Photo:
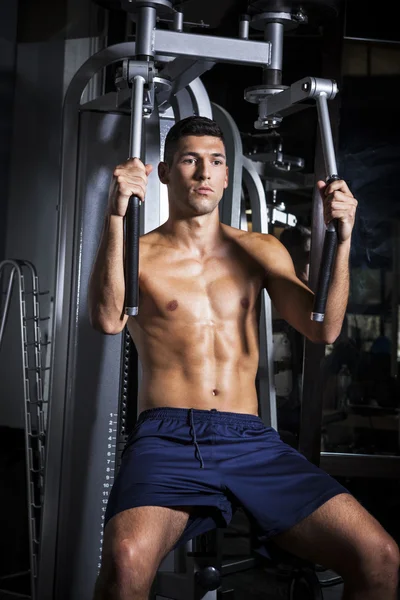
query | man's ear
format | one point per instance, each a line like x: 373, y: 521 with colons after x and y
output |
x: 226, y: 178
x: 163, y: 172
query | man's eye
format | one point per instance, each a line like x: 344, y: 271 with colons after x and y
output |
x: 188, y: 160
x: 217, y: 162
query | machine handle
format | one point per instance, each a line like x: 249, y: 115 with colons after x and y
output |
x: 132, y: 218
x: 326, y: 267
x: 132, y: 221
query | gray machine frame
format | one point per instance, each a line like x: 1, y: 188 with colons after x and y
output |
x: 67, y: 567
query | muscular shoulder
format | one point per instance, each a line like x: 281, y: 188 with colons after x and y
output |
x: 264, y: 247
x: 272, y: 256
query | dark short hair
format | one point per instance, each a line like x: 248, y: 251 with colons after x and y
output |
x: 190, y: 126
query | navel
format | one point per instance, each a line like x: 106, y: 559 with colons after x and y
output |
x: 215, y: 392
x: 245, y: 302
x: 173, y: 305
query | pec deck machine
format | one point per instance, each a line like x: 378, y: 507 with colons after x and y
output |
x: 94, y: 378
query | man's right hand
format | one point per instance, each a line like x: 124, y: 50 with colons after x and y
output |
x: 129, y: 179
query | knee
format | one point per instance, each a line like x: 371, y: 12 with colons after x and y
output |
x: 379, y: 563
x: 387, y: 556
x: 127, y: 565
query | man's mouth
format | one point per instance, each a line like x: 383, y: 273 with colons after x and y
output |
x: 204, y: 190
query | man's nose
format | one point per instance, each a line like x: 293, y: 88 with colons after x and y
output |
x: 203, y: 169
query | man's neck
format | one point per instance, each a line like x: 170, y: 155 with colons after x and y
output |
x: 200, y: 235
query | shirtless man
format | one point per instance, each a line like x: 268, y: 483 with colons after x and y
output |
x: 198, y: 446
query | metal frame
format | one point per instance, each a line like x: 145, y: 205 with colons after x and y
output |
x: 265, y: 375
x: 191, y: 100
x: 211, y: 48
x: 230, y: 207
x: 62, y: 352
x: 34, y: 407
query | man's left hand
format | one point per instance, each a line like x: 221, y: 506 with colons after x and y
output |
x: 340, y: 204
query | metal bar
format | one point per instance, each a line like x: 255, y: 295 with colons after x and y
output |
x: 7, y: 301
x: 146, y: 23
x: 207, y: 47
x: 244, y: 27
x: 328, y: 148
x: 199, y: 99
x: 133, y: 213
x: 181, y: 72
x: 274, y: 34
x: 239, y: 565
x: 309, y: 87
x: 230, y: 205
x: 330, y: 241
x: 178, y: 21
x: 135, y: 142
x: 267, y: 393
x: 27, y: 428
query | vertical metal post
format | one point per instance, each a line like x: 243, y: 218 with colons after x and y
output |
x: 230, y: 205
x: 135, y: 142
x: 244, y: 26
x: 6, y: 302
x: 146, y: 22
x: 274, y: 33
x: 132, y: 222
x: 266, y: 378
x: 326, y: 136
x: 178, y: 21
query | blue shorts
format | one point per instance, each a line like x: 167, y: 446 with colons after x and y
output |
x: 216, y: 461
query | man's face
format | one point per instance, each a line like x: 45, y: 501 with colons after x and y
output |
x: 198, y: 175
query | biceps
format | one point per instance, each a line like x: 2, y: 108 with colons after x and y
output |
x: 293, y: 300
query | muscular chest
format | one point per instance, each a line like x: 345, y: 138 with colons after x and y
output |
x: 190, y: 290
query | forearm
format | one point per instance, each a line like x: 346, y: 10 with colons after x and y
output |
x: 338, y: 295
x: 107, y: 283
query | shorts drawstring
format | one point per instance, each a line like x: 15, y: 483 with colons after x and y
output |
x: 196, y: 445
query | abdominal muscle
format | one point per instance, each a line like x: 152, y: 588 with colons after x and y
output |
x: 198, y: 365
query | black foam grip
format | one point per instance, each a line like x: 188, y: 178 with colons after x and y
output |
x: 132, y: 230
x: 326, y: 266
x: 325, y: 271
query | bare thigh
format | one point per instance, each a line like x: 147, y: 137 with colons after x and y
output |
x: 339, y: 535
x: 147, y: 531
